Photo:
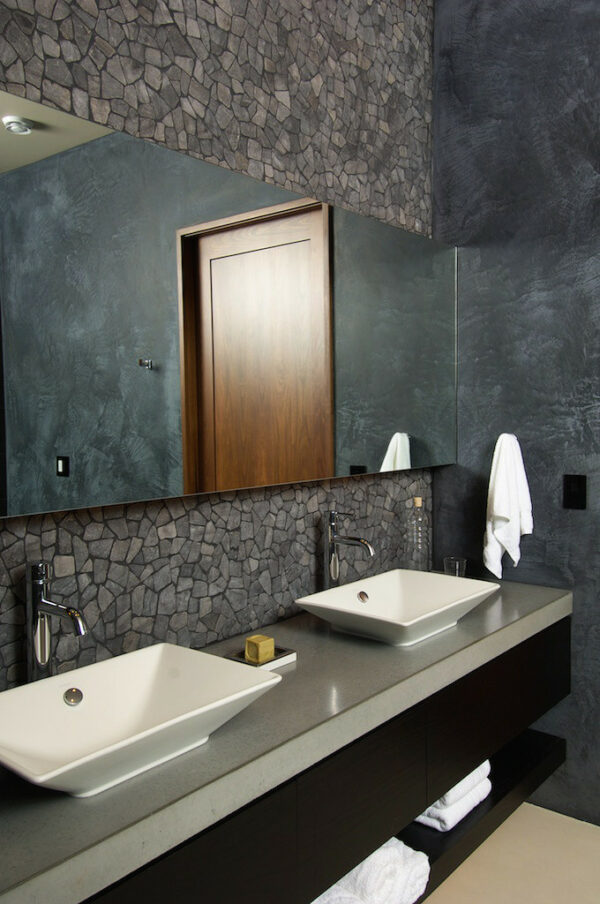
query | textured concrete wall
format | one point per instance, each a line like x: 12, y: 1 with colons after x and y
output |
x: 328, y: 98
x: 517, y: 184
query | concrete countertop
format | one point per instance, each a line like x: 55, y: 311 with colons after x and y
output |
x: 55, y: 849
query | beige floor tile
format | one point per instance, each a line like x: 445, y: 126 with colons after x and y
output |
x: 535, y: 857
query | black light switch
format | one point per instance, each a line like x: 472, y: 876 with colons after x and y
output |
x: 62, y: 466
x: 574, y: 491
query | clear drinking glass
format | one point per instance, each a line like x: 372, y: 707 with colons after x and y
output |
x: 455, y: 565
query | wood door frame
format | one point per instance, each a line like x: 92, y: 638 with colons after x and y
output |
x: 198, y: 447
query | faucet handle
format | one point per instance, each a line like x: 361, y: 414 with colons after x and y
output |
x: 41, y: 571
x: 334, y: 515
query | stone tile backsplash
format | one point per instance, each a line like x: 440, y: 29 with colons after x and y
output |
x: 197, y: 569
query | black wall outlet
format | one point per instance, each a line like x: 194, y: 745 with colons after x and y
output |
x: 574, y: 491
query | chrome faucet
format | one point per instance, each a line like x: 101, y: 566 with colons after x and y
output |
x: 332, y: 541
x: 39, y: 610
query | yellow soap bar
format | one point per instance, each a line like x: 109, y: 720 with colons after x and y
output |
x: 259, y: 648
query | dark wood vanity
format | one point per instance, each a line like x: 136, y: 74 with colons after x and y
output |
x: 295, y: 841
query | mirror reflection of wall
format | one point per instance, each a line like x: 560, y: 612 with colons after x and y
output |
x: 88, y: 287
x: 394, y: 327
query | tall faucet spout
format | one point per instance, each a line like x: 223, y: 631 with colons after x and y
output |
x: 355, y: 541
x: 332, y: 541
x: 65, y: 612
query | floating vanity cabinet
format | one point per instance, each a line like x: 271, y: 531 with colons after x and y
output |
x: 476, y: 716
x: 294, y: 842
x: 353, y: 801
x: 297, y: 840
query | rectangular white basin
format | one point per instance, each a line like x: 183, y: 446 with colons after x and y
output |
x: 138, y: 710
x: 398, y: 607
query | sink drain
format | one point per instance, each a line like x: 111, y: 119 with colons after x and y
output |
x: 362, y: 597
x: 73, y: 696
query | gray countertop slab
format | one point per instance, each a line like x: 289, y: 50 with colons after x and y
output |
x: 59, y: 850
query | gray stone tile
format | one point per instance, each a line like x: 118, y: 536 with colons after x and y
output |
x: 249, y: 575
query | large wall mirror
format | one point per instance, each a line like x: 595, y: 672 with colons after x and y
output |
x: 91, y: 274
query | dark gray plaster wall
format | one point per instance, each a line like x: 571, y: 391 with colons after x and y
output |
x: 2, y: 428
x: 88, y: 283
x: 394, y: 343
x: 517, y: 185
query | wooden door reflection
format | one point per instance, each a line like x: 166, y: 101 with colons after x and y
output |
x: 256, y: 347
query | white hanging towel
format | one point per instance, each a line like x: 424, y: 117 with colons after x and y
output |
x: 508, y: 506
x: 397, y: 457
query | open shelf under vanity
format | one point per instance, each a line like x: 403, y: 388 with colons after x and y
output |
x: 517, y: 770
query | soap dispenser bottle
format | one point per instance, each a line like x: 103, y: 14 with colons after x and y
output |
x: 418, y: 536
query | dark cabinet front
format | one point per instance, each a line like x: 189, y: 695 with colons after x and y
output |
x: 294, y: 842
x: 474, y: 717
x: 356, y: 799
x: 248, y: 857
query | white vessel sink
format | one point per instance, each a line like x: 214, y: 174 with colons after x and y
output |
x: 399, y: 607
x: 138, y: 710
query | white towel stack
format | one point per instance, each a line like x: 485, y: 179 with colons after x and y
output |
x: 454, y: 805
x: 508, y: 507
x: 393, y: 874
x: 397, y: 456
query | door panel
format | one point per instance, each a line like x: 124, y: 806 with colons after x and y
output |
x: 265, y: 367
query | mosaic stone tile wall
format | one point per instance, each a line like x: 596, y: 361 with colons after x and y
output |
x: 327, y: 97
x: 194, y: 570
x: 330, y: 98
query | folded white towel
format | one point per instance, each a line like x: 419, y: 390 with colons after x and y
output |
x: 461, y: 788
x: 445, y: 818
x: 337, y: 895
x: 393, y: 874
x: 508, y: 507
x: 397, y: 457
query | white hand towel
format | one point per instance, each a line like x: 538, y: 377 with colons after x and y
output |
x: 393, y: 874
x: 397, y: 457
x: 445, y: 818
x: 460, y: 789
x: 508, y: 506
